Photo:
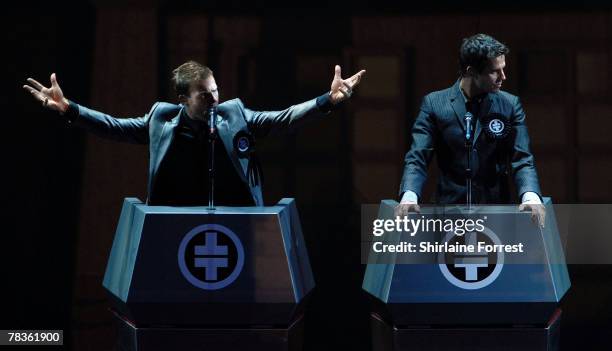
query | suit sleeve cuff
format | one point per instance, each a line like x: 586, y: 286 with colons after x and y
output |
x: 324, y: 103
x: 72, y: 112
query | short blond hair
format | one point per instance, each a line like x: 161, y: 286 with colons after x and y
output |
x: 187, y: 73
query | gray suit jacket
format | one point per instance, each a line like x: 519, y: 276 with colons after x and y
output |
x: 440, y: 129
x: 156, y: 128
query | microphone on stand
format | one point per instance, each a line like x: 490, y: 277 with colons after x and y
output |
x: 212, y: 127
x: 468, y: 126
x: 468, y: 166
x: 212, y: 117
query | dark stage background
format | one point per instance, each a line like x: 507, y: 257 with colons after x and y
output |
x: 64, y: 188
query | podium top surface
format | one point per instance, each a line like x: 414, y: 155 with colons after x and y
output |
x: 206, y: 210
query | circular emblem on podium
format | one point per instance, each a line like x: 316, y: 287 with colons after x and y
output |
x: 211, y: 256
x: 474, y: 270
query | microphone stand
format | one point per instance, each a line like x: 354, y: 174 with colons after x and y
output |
x: 212, y: 137
x: 468, y: 169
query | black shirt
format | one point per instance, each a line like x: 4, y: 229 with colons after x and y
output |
x: 182, y: 178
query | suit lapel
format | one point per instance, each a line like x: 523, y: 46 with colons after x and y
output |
x: 165, y: 139
x: 458, y: 104
x: 485, y: 108
x: 226, y: 134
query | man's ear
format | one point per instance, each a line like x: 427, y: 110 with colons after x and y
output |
x: 469, y: 71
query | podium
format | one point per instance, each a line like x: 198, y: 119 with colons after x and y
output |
x: 189, y: 278
x: 470, y: 301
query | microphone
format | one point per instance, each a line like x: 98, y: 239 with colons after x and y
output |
x: 212, y: 117
x: 212, y: 136
x: 468, y: 126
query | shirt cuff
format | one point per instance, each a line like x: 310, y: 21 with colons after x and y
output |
x: 409, y: 196
x: 530, y: 197
x: 324, y: 103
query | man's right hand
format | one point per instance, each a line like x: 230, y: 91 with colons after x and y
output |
x: 51, y: 98
x: 404, y: 208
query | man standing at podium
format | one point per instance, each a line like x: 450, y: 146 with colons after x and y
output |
x: 474, y: 109
x: 178, y: 135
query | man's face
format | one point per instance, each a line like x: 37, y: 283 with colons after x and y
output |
x: 492, y: 76
x: 202, y: 95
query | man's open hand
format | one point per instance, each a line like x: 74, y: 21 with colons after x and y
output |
x: 342, y: 89
x: 51, y: 98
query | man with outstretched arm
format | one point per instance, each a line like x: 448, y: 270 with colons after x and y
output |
x: 177, y: 135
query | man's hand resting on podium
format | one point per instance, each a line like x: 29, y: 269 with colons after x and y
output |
x: 408, y: 203
x: 51, y: 98
x: 404, y: 208
x: 538, y: 212
x: 530, y: 201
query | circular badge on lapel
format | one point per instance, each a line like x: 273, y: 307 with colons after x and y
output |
x: 496, y: 126
x: 243, y: 143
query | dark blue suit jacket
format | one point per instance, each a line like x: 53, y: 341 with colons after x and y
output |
x: 440, y: 129
x: 156, y: 128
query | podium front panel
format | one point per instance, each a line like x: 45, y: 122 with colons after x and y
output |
x: 238, y: 266
x: 443, y: 288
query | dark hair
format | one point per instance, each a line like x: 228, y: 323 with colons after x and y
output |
x: 477, y: 50
x: 187, y: 73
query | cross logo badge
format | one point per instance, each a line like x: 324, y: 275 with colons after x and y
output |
x: 211, y: 256
x: 496, y: 126
x: 473, y: 270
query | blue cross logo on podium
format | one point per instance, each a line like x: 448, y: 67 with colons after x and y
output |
x: 472, y: 261
x: 471, y: 271
x: 202, y: 257
x: 211, y: 263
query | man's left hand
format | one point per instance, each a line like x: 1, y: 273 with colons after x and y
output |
x: 342, y: 89
x: 538, y: 212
